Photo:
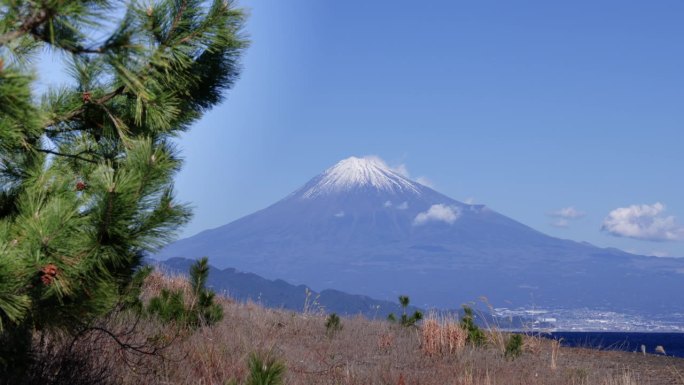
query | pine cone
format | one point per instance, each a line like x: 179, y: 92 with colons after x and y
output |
x: 46, y: 279
x: 48, y: 274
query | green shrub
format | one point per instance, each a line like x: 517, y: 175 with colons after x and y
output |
x: 405, y: 319
x: 514, y: 346
x: 262, y: 371
x: 205, y: 310
x: 170, y: 306
x: 333, y: 324
x: 475, y: 335
x: 265, y: 370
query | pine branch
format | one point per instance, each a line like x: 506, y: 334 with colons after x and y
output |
x: 76, y: 50
x: 72, y: 115
x: 176, y: 19
x: 72, y: 156
x: 104, y: 227
x: 38, y: 17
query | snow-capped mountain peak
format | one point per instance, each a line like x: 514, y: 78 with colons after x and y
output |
x: 356, y: 172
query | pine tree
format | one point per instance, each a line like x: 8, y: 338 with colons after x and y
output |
x: 170, y: 305
x: 475, y: 335
x: 206, y: 311
x: 404, y: 301
x: 333, y: 324
x: 86, y: 172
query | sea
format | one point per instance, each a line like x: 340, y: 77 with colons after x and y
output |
x: 672, y: 343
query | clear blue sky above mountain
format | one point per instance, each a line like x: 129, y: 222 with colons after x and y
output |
x: 528, y: 107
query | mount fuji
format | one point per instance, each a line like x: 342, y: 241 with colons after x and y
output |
x: 362, y: 228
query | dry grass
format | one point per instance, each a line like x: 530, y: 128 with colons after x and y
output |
x: 442, y: 335
x: 555, y: 349
x: 370, y: 352
x: 495, y: 336
x: 625, y: 378
x: 160, y: 280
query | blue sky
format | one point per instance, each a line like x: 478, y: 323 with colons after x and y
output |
x: 528, y: 107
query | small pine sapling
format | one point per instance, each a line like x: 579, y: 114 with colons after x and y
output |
x: 205, y: 310
x: 405, y: 320
x: 265, y: 370
x: 262, y: 371
x: 333, y: 324
x: 415, y: 317
x: 170, y: 305
x: 514, y: 346
x: 404, y: 302
x: 131, y: 298
x: 475, y: 335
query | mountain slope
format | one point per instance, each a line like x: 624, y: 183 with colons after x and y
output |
x: 362, y: 228
x: 279, y: 294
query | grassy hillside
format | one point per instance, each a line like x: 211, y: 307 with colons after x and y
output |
x: 362, y: 352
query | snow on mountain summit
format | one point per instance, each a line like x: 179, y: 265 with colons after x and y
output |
x: 356, y: 172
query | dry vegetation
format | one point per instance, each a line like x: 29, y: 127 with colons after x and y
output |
x: 362, y: 352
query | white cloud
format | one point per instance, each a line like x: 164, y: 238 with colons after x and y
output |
x: 469, y: 201
x: 402, y: 206
x: 402, y: 170
x: 438, y: 213
x: 564, y: 216
x: 376, y: 159
x: 425, y: 181
x: 568, y: 213
x: 340, y: 214
x: 388, y: 204
x: 643, y: 222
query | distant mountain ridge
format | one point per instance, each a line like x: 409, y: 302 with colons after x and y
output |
x: 360, y: 227
x: 279, y: 294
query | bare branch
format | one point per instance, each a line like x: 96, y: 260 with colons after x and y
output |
x: 73, y: 156
x: 141, y: 349
x: 37, y: 18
